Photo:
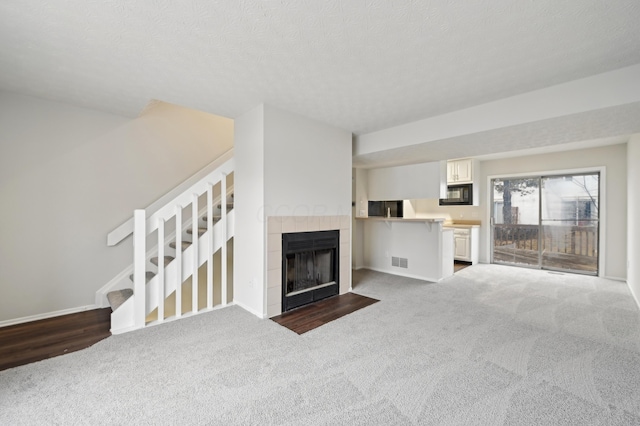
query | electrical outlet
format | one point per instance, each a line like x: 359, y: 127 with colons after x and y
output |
x: 251, y: 283
x: 386, y: 254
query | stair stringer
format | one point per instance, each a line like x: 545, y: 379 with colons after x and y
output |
x: 122, y: 318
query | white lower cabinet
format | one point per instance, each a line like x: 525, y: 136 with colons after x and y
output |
x: 466, y: 244
x: 462, y: 249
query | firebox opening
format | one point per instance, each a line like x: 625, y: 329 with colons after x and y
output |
x: 309, y: 270
x: 310, y: 267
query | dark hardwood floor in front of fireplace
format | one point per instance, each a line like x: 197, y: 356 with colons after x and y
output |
x: 308, y: 317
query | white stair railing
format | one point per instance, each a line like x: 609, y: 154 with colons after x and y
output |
x: 150, y: 294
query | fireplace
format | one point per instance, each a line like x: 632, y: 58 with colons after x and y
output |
x: 310, y: 267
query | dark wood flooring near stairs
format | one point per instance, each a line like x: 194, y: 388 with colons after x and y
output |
x: 37, y: 340
x: 308, y: 317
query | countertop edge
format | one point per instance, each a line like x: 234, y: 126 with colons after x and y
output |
x: 402, y: 219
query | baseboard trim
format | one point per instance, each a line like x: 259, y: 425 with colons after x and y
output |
x: 248, y: 309
x: 124, y: 330
x: 635, y: 297
x: 46, y: 315
x: 415, y: 277
x: 616, y: 279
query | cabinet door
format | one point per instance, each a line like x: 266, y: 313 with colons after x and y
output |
x: 462, y: 247
x: 464, y: 172
x: 451, y: 172
x: 459, y: 171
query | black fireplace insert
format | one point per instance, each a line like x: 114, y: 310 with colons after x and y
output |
x: 310, y: 269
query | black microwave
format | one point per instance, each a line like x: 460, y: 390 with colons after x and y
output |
x: 458, y: 195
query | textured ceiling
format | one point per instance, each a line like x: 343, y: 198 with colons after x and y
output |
x: 362, y: 65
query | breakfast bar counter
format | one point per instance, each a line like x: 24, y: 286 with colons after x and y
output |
x: 414, y: 247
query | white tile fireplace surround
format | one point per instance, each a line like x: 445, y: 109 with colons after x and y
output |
x: 278, y: 225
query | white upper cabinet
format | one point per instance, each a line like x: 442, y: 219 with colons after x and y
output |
x: 460, y: 171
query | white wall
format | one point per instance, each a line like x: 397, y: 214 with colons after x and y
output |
x: 307, y: 166
x: 361, y: 209
x: 70, y: 176
x: 361, y: 192
x: 405, y: 182
x: 249, y: 239
x: 286, y: 165
x: 633, y: 213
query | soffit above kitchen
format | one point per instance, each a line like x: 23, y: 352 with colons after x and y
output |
x: 359, y: 65
x: 600, y: 127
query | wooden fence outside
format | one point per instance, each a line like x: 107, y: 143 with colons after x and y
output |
x: 563, y: 246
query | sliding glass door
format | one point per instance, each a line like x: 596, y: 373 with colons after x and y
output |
x: 569, y: 222
x: 548, y: 222
x: 516, y: 221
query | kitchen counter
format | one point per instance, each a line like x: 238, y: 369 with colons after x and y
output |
x: 462, y: 224
x: 403, y: 219
x: 454, y: 226
x: 413, y: 247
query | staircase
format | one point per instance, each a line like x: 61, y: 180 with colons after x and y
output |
x: 170, y: 259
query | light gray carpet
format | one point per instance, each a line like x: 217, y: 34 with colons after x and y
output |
x: 492, y: 345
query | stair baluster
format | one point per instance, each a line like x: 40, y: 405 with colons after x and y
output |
x: 161, y: 269
x: 210, y: 245
x: 139, y: 265
x: 195, y: 236
x: 223, y: 224
x: 179, y: 261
